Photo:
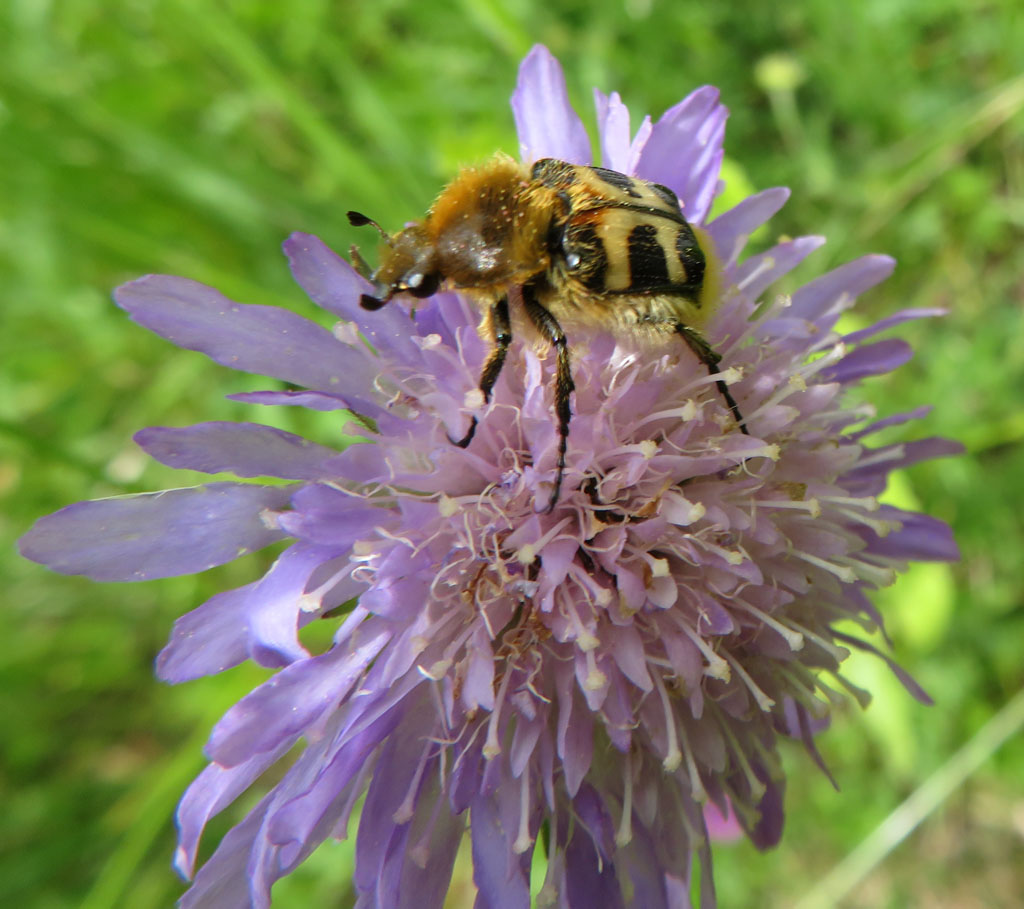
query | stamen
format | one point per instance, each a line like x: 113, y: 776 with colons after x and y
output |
x: 523, y: 839
x: 697, y: 791
x: 659, y: 567
x: 624, y: 835
x: 757, y: 788
x: 803, y: 693
x: 717, y: 668
x: 436, y: 671
x: 812, y: 506
x: 882, y: 528
x: 843, y: 572
x: 763, y: 701
x: 596, y: 679
x: 861, y: 696
x: 311, y: 600
x: 420, y: 852
x: 766, y: 264
x: 673, y: 756
x: 403, y: 813
x: 794, y: 639
x: 838, y: 653
x: 869, y: 503
x: 492, y: 748
x: 880, y: 576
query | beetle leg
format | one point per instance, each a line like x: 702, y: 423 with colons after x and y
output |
x: 710, y: 359
x: 549, y: 328
x: 501, y: 335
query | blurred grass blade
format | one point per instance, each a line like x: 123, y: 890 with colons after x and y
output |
x: 922, y: 802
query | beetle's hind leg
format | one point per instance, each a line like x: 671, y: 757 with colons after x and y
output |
x: 551, y: 331
x: 710, y: 359
x: 501, y: 335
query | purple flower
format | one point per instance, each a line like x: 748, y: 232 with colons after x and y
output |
x: 583, y: 682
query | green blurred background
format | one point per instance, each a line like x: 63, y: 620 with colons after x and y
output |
x: 191, y: 137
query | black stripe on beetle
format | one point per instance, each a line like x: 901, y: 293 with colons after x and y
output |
x: 691, y: 256
x: 647, y: 266
x: 619, y: 181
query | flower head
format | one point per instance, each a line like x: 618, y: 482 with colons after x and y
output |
x: 585, y: 681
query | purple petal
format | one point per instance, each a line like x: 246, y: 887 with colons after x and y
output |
x: 209, y: 794
x: 759, y: 272
x: 329, y: 517
x: 818, y: 301
x: 275, y: 604
x: 684, y: 151
x: 589, y: 880
x: 871, y: 478
x: 639, y: 860
x: 426, y: 886
x: 207, y: 640
x: 613, y: 128
x: 547, y: 124
x: 335, y: 285
x: 244, y: 449
x: 916, y: 691
x: 223, y: 881
x: 157, y: 534
x: 721, y: 828
x: 904, y: 315
x: 395, y: 771
x: 896, y: 419
x: 731, y: 229
x: 869, y: 360
x: 314, y: 400
x: 921, y: 538
x: 499, y: 879
x: 767, y: 832
x: 284, y: 706
x: 266, y: 340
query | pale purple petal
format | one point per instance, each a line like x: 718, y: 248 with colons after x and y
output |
x: 157, y: 534
x: 731, y: 229
x: 314, y: 400
x: 920, y: 538
x: 869, y: 360
x: 905, y: 677
x: 281, y: 708
x: 895, y: 420
x: 334, y: 284
x: 499, y: 880
x: 823, y: 300
x: 904, y: 315
x: 244, y: 449
x: 258, y: 339
x: 207, y: 640
x: 722, y: 828
x: 613, y: 128
x: 759, y: 272
x: 589, y: 880
x: 275, y: 604
x: 223, y: 880
x: 209, y: 794
x: 548, y: 126
x: 684, y: 151
x: 331, y: 518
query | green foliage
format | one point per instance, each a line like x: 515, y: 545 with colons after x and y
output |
x: 191, y: 137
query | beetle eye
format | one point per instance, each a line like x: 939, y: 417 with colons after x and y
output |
x: 420, y: 285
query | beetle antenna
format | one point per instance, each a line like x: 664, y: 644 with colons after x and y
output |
x: 358, y: 219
